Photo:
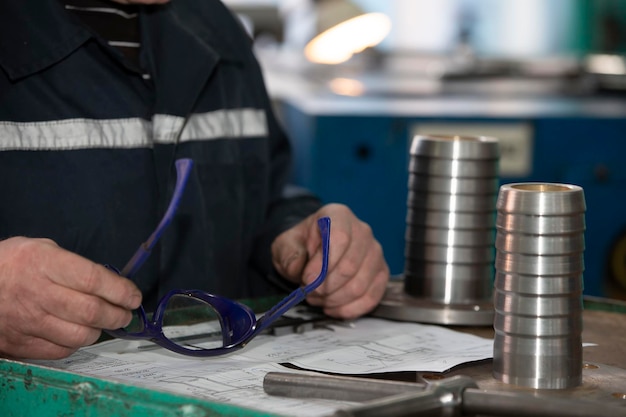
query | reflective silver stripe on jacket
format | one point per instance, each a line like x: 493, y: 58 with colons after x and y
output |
x: 131, y: 132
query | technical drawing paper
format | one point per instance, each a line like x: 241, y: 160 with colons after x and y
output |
x: 367, y: 345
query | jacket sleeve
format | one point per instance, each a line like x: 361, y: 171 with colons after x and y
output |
x: 289, y: 203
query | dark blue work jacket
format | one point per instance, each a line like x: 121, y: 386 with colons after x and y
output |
x: 87, y: 145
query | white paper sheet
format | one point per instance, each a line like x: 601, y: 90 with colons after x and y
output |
x: 364, y: 346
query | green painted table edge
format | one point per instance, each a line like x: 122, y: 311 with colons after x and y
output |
x: 604, y: 304
x: 31, y: 390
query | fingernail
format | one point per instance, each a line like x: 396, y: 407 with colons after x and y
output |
x: 135, y: 301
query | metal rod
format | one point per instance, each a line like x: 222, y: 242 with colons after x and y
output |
x: 334, y: 388
x: 511, y: 404
x: 456, y: 394
x: 423, y: 404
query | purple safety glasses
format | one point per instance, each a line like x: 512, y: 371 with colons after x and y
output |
x: 194, y: 322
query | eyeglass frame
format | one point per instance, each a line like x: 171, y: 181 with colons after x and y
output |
x: 152, y: 330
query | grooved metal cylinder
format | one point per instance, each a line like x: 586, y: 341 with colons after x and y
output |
x: 538, y: 285
x: 450, y: 223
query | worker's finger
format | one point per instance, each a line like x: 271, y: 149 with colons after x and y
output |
x: 75, y: 272
x: 32, y: 347
x: 85, y: 309
x: 289, y: 252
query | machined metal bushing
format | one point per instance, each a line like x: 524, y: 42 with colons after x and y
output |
x: 538, y: 285
x: 450, y: 222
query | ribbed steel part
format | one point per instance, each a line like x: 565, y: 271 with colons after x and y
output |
x: 452, y: 191
x: 538, y: 286
x: 450, y: 233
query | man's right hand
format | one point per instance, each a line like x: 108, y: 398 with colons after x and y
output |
x: 53, y: 301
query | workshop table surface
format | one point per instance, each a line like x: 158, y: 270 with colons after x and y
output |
x: 30, y: 390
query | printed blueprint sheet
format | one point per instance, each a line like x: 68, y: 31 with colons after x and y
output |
x: 367, y: 345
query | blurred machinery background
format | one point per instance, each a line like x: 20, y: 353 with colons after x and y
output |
x: 546, y: 77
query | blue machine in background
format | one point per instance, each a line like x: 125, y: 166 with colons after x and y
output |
x: 356, y: 151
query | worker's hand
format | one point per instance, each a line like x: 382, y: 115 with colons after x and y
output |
x: 357, y: 271
x: 53, y: 301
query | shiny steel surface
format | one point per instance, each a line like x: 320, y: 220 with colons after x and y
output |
x: 465, y: 291
x: 530, y: 366
x: 443, y: 398
x: 538, y: 285
x: 449, y: 288
x: 463, y: 186
x: 455, y: 147
x: 450, y: 220
x: 449, y: 253
x: 536, y: 327
x: 541, y: 199
x: 539, y: 306
x: 557, y: 265
x: 340, y: 388
x: 540, y: 244
x: 450, y: 223
x: 449, y: 271
x: 398, y: 304
x: 453, y: 168
x: 418, y: 235
x: 545, y: 225
x: 450, y: 202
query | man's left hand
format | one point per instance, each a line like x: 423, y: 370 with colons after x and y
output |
x: 357, y: 272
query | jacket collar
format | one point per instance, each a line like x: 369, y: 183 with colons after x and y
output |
x: 35, y: 34
x: 184, y: 42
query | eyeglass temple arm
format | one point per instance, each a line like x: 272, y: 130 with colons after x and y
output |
x: 183, y: 168
x: 299, y: 294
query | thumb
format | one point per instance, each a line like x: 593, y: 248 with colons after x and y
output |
x: 289, y: 254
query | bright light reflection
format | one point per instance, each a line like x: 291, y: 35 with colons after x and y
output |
x: 539, y: 355
x: 452, y: 220
x: 454, y: 186
x: 607, y: 64
x: 455, y: 168
x: 449, y: 279
x: 453, y: 207
x: 339, y: 43
x: 347, y: 87
x: 456, y: 147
